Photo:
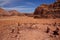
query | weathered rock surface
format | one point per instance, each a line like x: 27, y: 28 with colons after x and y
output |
x: 48, y: 11
x: 30, y: 31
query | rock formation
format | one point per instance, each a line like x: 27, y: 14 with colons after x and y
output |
x: 4, y: 12
x: 58, y: 0
x: 14, y: 13
x: 48, y: 11
x: 9, y: 13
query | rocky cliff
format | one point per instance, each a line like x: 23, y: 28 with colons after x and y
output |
x: 48, y: 11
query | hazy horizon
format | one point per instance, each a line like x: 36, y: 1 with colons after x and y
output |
x: 25, y: 6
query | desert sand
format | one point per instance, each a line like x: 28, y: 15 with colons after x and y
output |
x: 28, y: 28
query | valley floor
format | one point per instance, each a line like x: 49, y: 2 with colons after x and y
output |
x: 28, y: 28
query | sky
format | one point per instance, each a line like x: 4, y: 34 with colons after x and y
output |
x: 23, y: 5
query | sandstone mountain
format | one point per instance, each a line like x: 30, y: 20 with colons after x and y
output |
x: 9, y: 13
x: 14, y: 13
x: 48, y: 11
x: 4, y: 12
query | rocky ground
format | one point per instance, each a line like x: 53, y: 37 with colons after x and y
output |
x: 31, y: 31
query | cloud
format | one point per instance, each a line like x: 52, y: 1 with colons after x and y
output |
x: 3, y: 2
x: 21, y: 9
x: 22, y: 5
x: 26, y: 7
x: 18, y: 8
x: 30, y: 3
x: 13, y: 3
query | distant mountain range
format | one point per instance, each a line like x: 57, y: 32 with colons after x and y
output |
x: 8, y: 13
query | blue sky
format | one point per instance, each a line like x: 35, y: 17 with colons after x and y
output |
x: 23, y: 5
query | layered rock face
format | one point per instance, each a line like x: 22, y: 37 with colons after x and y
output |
x: 48, y: 11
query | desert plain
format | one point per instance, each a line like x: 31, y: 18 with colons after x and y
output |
x: 28, y: 28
